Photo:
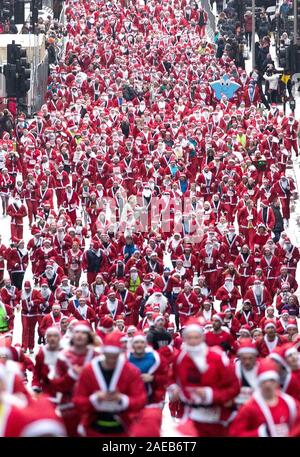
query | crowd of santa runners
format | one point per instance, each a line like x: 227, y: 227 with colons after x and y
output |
x: 158, y: 271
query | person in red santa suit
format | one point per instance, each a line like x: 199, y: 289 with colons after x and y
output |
x: 17, y: 262
x: 70, y: 202
x: 17, y: 211
x: 175, y: 247
x: 110, y: 392
x: 230, y: 321
x: 128, y: 300
x: 220, y: 335
x: 105, y: 327
x: 228, y: 294
x: 245, y: 264
x: 246, y: 367
x: 70, y: 364
x: 282, y: 322
x: 3, y: 251
x: 289, y: 380
x: 266, y: 215
x: 246, y: 315
x: 45, y: 363
x: 205, y: 381
x: 283, y: 189
x: 269, y: 412
x: 153, y: 368
x: 233, y: 243
x: 209, y: 259
x: 9, y: 294
x: 158, y: 299
x: 30, y: 301
x: 285, y: 278
x: 290, y: 128
x: 51, y: 320
x: 290, y: 256
x: 94, y: 261
x: 73, y: 259
x: 259, y: 297
x: 110, y: 306
x: 98, y: 288
x: 271, y: 267
x: 270, y: 339
x: 187, y: 304
x: 83, y: 311
x: 46, y: 303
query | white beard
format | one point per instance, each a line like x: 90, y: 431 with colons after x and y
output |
x: 99, y: 289
x: 45, y: 292
x: 23, y: 251
x: 208, y: 251
x: 198, y: 355
x: 49, y: 274
x: 229, y: 287
x: 85, y: 291
x: 147, y: 193
x: 257, y: 290
x: 134, y: 276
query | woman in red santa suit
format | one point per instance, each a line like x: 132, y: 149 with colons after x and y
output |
x: 68, y: 368
x: 110, y: 392
x: 205, y: 381
x: 269, y: 412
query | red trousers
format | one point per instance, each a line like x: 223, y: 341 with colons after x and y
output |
x: 291, y: 145
x: 31, y: 209
x: 28, y: 328
x: 16, y: 231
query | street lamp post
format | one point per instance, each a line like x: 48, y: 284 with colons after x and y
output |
x: 253, y: 34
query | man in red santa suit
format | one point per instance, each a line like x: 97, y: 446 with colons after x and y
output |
x: 110, y: 392
x: 157, y: 298
x: 83, y: 311
x: 187, y: 304
x: 269, y: 412
x: 205, y: 381
x: 246, y: 367
x: 245, y: 264
x: 45, y: 362
x: 283, y: 189
x: 270, y: 340
x: 228, y: 294
x: 10, y: 295
x: 209, y: 259
x: 290, y: 128
x: 17, y: 211
x: 70, y: 364
x: 30, y: 301
x: 110, y: 306
x: 220, y: 335
x: 71, y: 202
x: 271, y: 267
x: 51, y: 320
x: 259, y: 297
x: 289, y: 380
x: 246, y: 315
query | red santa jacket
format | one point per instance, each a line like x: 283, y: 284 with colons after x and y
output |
x: 216, y: 376
x: 126, y: 380
x: 44, y: 370
x: 187, y: 305
x: 256, y: 417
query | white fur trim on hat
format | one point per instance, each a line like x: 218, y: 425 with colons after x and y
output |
x: 193, y: 328
x: 111, y: 350
x: 269, y: 324
x: 82, y: 328
x: 270, y: 375
x: 139, y: 338
x: 247, y: 351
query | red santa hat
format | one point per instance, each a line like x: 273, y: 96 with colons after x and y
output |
x: 27, y: 285
x: 267, y: 371
x: 284, y: 312
x: 219, y: 317
x: 292, y: 323
x: 247, y: 347
x: 246, y: 328
x: 157, y: 317
x: 139, y: 336
x: 82, y: 326
x: 44, y: 282
x: 106, y: 323
x: 269, y: 323
x: 193, y: 325
x: 113, y: 343
x: 111, y: 292
x: 51, y: 330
